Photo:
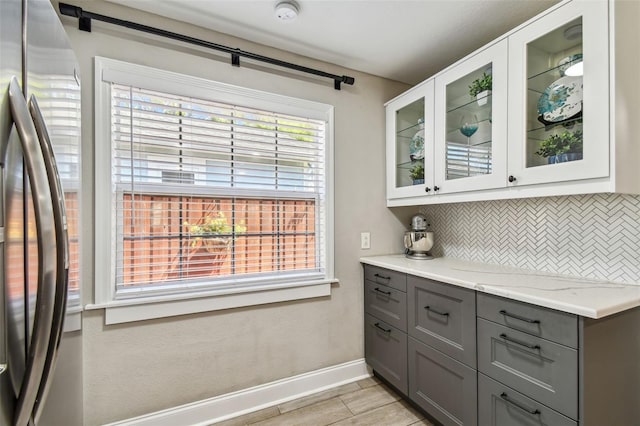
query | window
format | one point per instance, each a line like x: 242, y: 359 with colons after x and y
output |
x: 210, y: 188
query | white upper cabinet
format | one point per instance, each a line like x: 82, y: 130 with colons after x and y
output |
x: 561, y: 117
x: 409, y: 124
x: 471, y: 123
x: 559, y: 96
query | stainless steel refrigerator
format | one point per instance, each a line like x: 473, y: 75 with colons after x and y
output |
x: 40, y: 159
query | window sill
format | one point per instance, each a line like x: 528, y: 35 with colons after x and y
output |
x: 72, y: 320
x: 124, y: 311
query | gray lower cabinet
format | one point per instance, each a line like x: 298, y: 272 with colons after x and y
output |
x: 543, y: 370
x: 535, y: 366
x: 385, y: 349
x: 549, y: 324
x: 444, y: 317
x: 386, y: 303
x: 500, y: 405
x: 442, y: 386
x: 387, y: 277
x: 385, y: 322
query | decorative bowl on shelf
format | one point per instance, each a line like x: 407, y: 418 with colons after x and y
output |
x: 566, y: 62
x: 416, y: 146
x: 561, y: 101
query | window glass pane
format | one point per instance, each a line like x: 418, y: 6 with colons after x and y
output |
x: 208, y: 193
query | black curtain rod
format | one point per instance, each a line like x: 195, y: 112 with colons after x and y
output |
x: 84, y: 24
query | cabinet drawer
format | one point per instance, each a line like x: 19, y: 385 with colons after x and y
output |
x: 444, y: 317
x: 386, y: 303
x: 444, y: 387
x: 394, y: 279
x: 559, y: 327
x: 540, y: 369
x: 385, y: 349
x: 499, y: 405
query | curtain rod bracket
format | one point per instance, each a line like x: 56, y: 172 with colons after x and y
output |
x: 84, y: 24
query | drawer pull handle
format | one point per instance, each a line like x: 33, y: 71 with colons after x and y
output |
x: 430, y: 309
x: 518, y: 317
x: 518, y: 342
x: 388, y: 293
x: 382, y: 276
x: 377, y: 325
x: 504, y: 396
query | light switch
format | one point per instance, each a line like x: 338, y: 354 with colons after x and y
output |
x: 365, y: 240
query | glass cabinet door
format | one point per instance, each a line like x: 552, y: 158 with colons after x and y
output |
x: 410, y: 143
x: 471, y: 123
x: 560, y: 96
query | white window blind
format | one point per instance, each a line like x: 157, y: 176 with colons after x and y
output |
x: 213, y: 194
x: 465, y: 160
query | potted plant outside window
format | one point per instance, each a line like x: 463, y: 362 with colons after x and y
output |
x: 417, y: 174
x: 563, y: 147
x: 480, y: 88
x: 214, y: 234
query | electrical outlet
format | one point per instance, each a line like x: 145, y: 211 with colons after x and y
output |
x: 365, y: 240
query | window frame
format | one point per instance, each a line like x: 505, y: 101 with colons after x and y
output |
x: 154, y: 305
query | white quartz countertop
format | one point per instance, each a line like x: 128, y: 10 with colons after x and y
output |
x: 581, y: 296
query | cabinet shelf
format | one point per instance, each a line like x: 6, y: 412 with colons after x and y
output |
x: 407, y: 165
x: 553, y: 72
x: 542, y: 132
x: 408, y: 132
x: 472, y: 107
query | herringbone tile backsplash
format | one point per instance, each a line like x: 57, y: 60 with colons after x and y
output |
x: 592, y: 236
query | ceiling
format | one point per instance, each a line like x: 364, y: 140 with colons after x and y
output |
x: 402, y: 40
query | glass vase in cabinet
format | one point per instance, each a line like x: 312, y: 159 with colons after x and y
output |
x: 559, y: 96
x: 471, y: 122
x: 409, y: 127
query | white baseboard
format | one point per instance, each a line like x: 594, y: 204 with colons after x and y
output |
x: 235, y: 404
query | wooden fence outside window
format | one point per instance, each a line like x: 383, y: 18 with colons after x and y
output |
x: 158, y: 244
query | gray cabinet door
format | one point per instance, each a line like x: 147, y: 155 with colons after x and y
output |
x: 386, y: 303
x: 444, y: 387
x: 444, y: 317
x: 394, y: 279
x: 540, y: 369
x: 559, y: 327
x: 499, y: 405
x: 385, y: 349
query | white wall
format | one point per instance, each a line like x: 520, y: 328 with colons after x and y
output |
x: 136, y: 368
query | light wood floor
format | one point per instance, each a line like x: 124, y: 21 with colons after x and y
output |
x: 366, y: 402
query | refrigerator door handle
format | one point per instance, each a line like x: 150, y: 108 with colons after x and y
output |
x: 46, y: 239
x: 62, y: 253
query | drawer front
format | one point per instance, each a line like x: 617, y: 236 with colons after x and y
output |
x: 559, y: 327
x: 386, y: 303
x: 393, y: 279
x: 444, y: 317
x: 499, y: 405
x: 385, y: 349
x: 542, y: 370
x: 444, y: 387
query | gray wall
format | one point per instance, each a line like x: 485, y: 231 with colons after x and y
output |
x: 136, y: 368
x: 592, y: 236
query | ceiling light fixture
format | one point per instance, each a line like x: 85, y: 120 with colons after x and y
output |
x: 574, y: 32
x: 287, y: 11
x: 574, y: 70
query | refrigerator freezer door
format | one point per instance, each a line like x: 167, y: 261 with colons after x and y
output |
x: 62, y: 255
x: 46, y: 249
x: 52, y: 78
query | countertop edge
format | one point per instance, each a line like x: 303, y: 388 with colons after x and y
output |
x: 511, y: 293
